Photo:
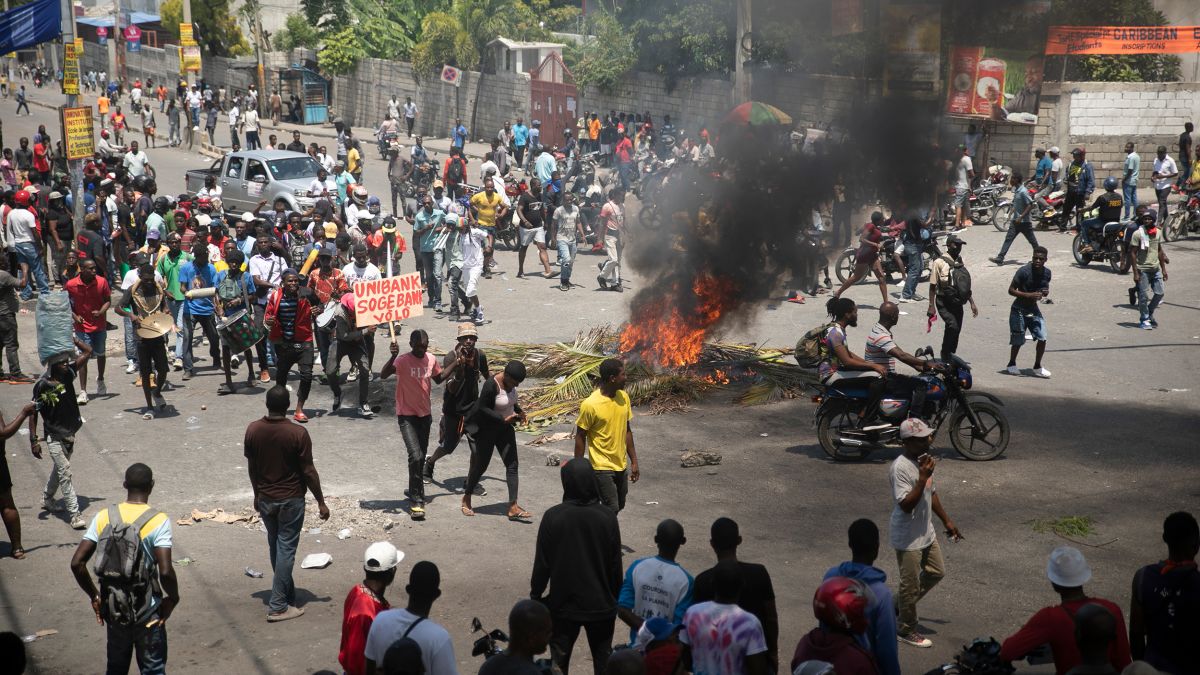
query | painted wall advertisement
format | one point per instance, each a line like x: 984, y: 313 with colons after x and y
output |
x: 77, y: 129
x: 994, y: 84
x: 914, y: 57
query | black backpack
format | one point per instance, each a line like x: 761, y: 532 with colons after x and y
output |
x: 127, y: 583
x: 455, y: 172
x: 959, y: 287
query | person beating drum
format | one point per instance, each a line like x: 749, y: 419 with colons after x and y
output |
x: 234, y: 286
x: 143, y: 303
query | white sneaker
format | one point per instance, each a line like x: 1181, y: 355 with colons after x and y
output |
x: 904, y: 300
x: 101, y: 388
x: 77, y: 522
x: 1013, y: 370
x: 130, y: 367
x: 1042, y: 373
x: 82, y: 398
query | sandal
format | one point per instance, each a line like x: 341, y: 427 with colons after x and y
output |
x: 466, y: 510
x: 18, y: 554
x: 148, y: 415
x: 520, y: 515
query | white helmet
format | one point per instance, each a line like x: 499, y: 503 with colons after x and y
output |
x: 360, y: 195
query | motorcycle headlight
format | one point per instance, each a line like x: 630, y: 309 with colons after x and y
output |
x: 964, y: 378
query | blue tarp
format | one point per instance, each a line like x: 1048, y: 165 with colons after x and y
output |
x: 29, y: 25
x: 107, y: 21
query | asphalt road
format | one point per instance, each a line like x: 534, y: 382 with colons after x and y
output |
x: 1109, y: 437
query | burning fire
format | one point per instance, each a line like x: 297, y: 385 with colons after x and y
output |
x: 666, y: 334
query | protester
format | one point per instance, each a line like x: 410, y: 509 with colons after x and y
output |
x: 757, y: 594
x: 1068, y: 571
x: 459, y: 396
x: 1095, y: 632
x: 492, y: 423
x: 840, y: 605
x: 1165, y: 171
x: 578, y: 554
x: 288, y: 319
x: 949, y: 290
x: 529, y: 630
x: 657, y: 586
x: 351, y: 343
x: 142, y: 302
x: 58, y: 406
x: 612, y: 215
x: 280, y: 463
x: 1164, y: 614
x: 138, y: 590
x: 9, y: 306
x: 604, y: 432
x: 1029, y: 285
x: 720, y: 637
x: 1149, y: 269
x: 364, y: 602
x: 8, y: 508
x: 879, y: 633
x: 1022, y: 223
x: 195, y: 274
x: 233, y: 290
x: 413, y: 623
x: 915, y: 500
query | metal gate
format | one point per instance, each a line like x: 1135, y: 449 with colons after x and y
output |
x: 554, y: 100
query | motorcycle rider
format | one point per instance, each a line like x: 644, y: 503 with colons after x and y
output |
x: 1080, y: 182
x: 840, y: 365
x: 388, y: 131
x: 1051, y: 180
x: 1109, y: 206
x: 108, y: 152
x: 881, y: 349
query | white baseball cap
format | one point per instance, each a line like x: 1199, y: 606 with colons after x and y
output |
x: 1068, y: 568
x: 381, y: 557
x: 1054, y: 150
x: 915, y: 428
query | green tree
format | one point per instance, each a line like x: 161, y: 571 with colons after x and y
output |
x: 296, y: 32
x: 605, y: 59
x: 217, y: 30
x: 677, y: 38
x: 340, y: 52
x: 443, y: 42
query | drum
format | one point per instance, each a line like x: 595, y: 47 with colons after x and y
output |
x: 155, y: 325
x: 239, y: 332
x: 328, y: 314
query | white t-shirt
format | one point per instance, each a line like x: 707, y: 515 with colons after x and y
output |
x: 910, y: 531
x: 437, y: 652
x: 1166, y: 165
x: 135, y: 163
x: 250, y: 120
x: 566, y: 220
x: 268, y: 267
x: 214, y: 191
x: 654, y: 587
x: 316, y: 187
x: 488, y: 166
x: 393, y: 108
x: 1056, y: 170
x: 472, y: 242
x: 355, y: 274
x: 20, y: 226
x: 962, y: 179
x: 234, y: 114
x: 721, y: 637
x: 193, y: 99
x: 410, y: 109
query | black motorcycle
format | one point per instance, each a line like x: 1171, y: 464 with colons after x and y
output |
x: 975, y: 420
x: 844, y: 266
x: 981, y: 657
x: 488, y: 645
x: 1105, y: 244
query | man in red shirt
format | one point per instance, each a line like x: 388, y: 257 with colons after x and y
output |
x: 41, y: 163
x: 624, y: 152
x: 364, y: 602
x: 90, y: 299
x: 1068, y: 571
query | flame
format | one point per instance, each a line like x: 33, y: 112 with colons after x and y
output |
x: 718, y: 376
x: 666, y: 334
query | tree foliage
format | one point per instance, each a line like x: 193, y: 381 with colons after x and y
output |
x: 677, y: 38
x: 217, y: 30
x: 296, y: 32
x: 443, y: 42
x: 340, y: 52
x: 604, y: 60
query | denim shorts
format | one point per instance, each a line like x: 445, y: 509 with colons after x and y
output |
x: 96, y: 340
x: 960, y: 196
x: 1019, y: 321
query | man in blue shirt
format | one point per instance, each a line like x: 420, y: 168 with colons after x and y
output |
x: 520, y: 136
x: 880, y: 637
x: 1044, y: 164
x: 343, y: 178
x: 427, y: 226
x: 459, y: 135
x: 194, y: 275
x: 1129, y: 181
x: 544, y: 164
x: 658, y: 586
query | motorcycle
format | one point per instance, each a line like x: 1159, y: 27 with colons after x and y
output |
x: 1004, y: 213
x: 981, y: 657
x: 981, y: 204
x: 1107, y: 244
x: 844, y: 266
x: 386, y: 141
x: 653, y: 178
x: 975, y: 420
x: 998, y: 174
x: 488, y: 645
x: 1185, y: 219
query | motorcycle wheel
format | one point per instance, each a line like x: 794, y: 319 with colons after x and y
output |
x: 988, y: 444
x: 1002, y: 216
x: 845, y: 265
x: 985, y: 214
x: 1114, y: 261
x: 1176, y: 227
x: 1081, y: 258
x: 828, y: 425
x: 509, y: 239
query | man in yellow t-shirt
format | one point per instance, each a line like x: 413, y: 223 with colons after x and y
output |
x: 102, y: 107
x: 487, y: 207
x: 604, y: 433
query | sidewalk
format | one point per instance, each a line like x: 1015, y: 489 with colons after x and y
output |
x: 52, y: 98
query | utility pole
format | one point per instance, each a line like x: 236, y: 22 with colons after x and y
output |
x: 187, y: 18
x: 741, y: 52
x: 75, y: 166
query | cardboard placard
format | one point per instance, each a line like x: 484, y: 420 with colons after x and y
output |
x: 392, y: 299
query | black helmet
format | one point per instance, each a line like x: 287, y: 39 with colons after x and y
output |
x: 161, y: 205
x: 1111, y: 183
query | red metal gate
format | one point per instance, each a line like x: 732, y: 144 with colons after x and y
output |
x: 554, y: 100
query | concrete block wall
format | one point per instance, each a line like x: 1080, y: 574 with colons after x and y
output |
x: 694, y: 102
x: 501, y: 98
x: 1103, y: 116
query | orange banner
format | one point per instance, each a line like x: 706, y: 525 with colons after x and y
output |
x: 1075, y: 40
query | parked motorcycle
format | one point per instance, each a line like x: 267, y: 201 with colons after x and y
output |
x: 652, y: 178
x: 1004, y: 213
x: 1185, y: 219
x: 975, y: 420
x: 844, y: 266
x: 489, y: 645
x: 981, y: 203
x: 1107, y: 244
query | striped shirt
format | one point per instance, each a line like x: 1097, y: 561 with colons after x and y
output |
x: 879, y: 343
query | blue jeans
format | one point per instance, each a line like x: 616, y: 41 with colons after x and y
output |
x: 149, y: 644
x: 1129, y: 192
x: 913, y: 266
x: 566, y: 260
x: 1086, y: 226
x: 283, y: 519
x: 431, y: 271
x: 28, y: 254
x: 1025, y: 228
x: 1149, y: 281
x: 130, y: 342
x: 177, y: 308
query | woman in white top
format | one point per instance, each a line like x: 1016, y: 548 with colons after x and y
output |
x: 491, y: 425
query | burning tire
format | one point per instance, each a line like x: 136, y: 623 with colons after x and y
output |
x: 829, y: 426
x: 650, y: 217
x: 990, y: 442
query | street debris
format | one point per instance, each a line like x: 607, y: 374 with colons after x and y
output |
x: 344, y: 533
x: 694, y: 458
x: 316, y: 561
x: 183, y: 562
x: 551, y: 438
x: 553, y: 459
x: 219, y: 515
x: 253, y: 573
x: 45, y: 632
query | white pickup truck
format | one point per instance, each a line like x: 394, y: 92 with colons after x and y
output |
x: 251, y: 176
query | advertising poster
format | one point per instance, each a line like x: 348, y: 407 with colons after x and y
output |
x: 70, y: 81
x: 995, y: 84
x: 102, y: 35
x: 1079, y: 40
x: 77, y: 130
x: 189, y: 58
x: 914, y: 55
x: 133, y: 39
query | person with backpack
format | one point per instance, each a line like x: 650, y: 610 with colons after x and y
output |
x: 138, y: 591
x: 1164, y: 613
x: 455, y: 173
x: 835, y: 362
x: 949, y: 290
x: 411, y: 632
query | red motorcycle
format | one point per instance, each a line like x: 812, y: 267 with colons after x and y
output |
x: 1185, y: 219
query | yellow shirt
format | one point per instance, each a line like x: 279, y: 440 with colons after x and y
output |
x: 130, y: 513
x: 222, y: 266
x: 102, y: 104
x: 353, y: 160
x: 486, y: 209
x: 606, y: 420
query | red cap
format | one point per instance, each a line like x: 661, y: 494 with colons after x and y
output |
x: 21, y: 198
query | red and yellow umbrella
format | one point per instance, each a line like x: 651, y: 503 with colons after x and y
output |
x: 755, y: 113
